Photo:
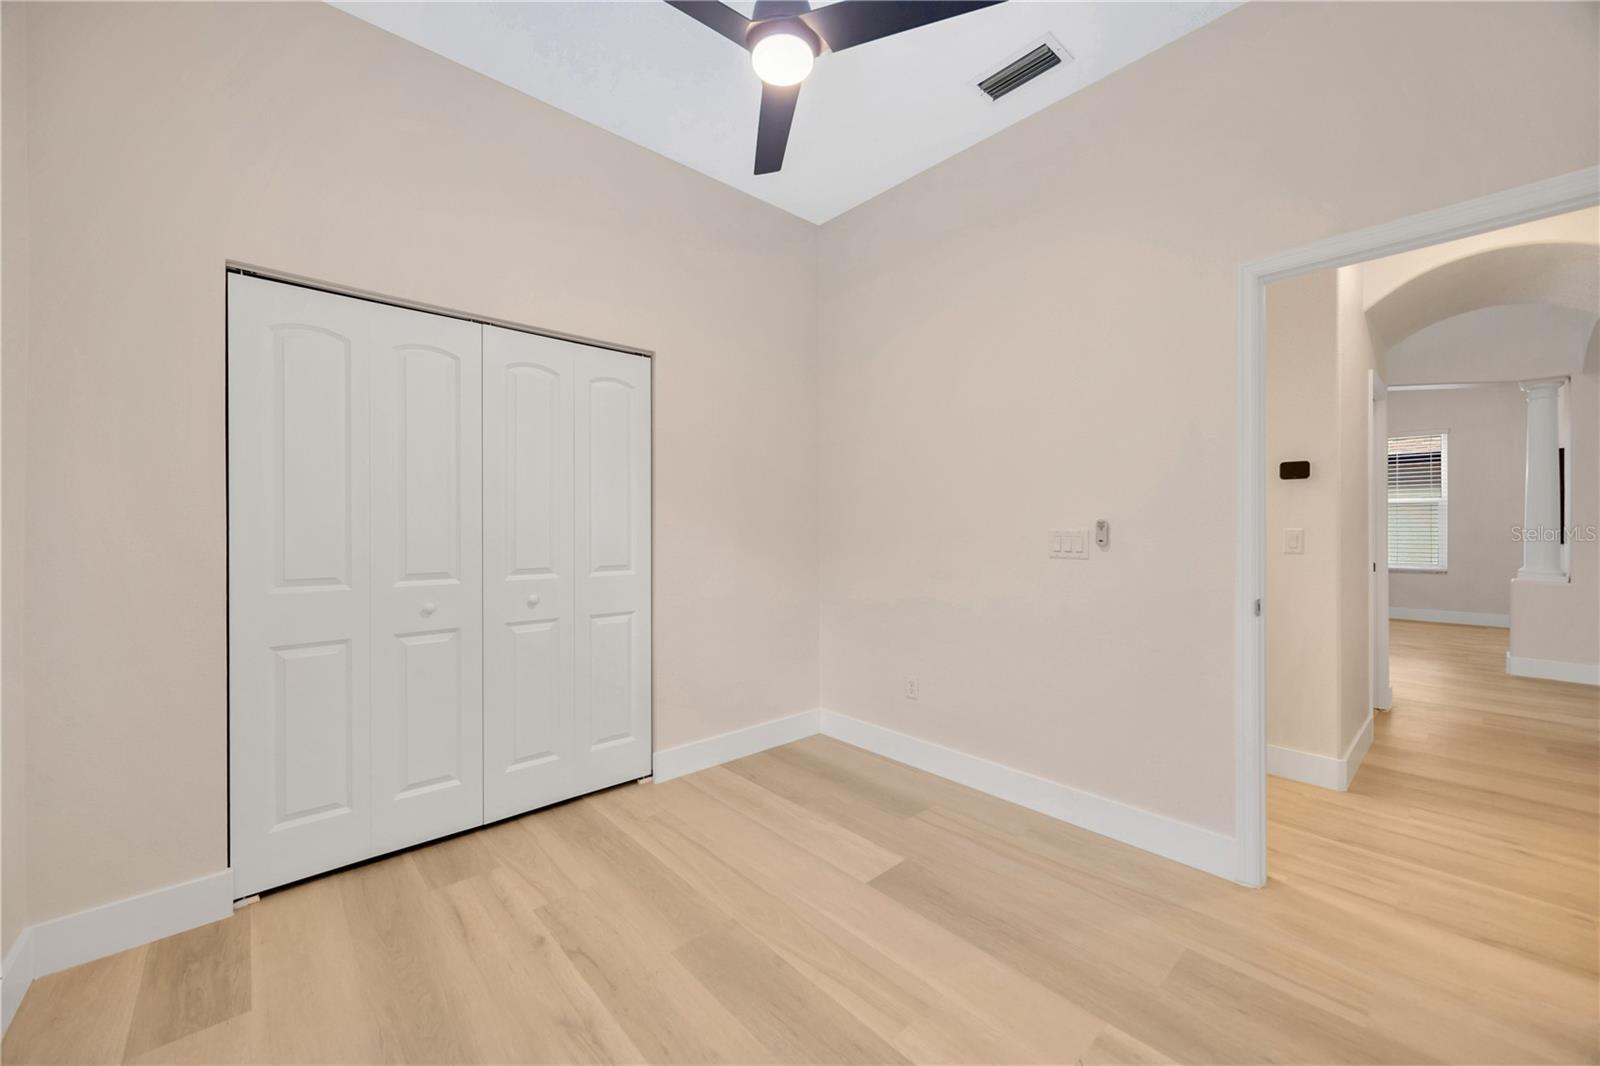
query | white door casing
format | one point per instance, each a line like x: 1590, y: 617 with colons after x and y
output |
x: 528, y: 728
x: 299, y: 638
x: 427, y: 584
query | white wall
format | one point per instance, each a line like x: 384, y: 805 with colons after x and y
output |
x: 1041, y: 332
x: 1488, y: 437
x: 166, y: 140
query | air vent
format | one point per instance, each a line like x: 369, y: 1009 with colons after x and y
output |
x: 1019, y: 73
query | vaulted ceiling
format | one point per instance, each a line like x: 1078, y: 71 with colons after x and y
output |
x: 868, y: 118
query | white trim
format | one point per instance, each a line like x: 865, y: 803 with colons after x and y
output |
x: 1569, y: 192
x: 50, y: 946
x: 1180, y: 841
x: 127, y: 923
x: 1324, y: 771
x: 1454, y: 618
x: 725, y: 747
x: 18, y: 975
x: 1551, y: 670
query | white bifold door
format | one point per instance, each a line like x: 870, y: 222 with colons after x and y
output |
x: 438, y: 576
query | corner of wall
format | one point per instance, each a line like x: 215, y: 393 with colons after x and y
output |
x: 14, y: 292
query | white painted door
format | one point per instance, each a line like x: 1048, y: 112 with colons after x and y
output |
x: 528, y: 730
x: 439, y: 576
x: 567, y: 695
x: 427, y: 577
x: 300, y: 644
x: 611, y: 555
x: 1378, y: 482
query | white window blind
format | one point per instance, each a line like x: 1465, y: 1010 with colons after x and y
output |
x: 1419, y: 501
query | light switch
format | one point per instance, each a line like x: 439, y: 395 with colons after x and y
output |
x: 1294, y: 542
x: 1069, y: 544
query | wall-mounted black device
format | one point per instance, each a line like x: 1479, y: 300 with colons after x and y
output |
x: 1294, y: 470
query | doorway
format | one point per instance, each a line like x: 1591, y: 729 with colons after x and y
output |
x: 1525, y: 204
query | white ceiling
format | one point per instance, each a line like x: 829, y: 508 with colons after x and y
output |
x: 868, y: 118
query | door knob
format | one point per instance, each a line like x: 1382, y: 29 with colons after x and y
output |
x: 533, y: 599
x: 428, y: 608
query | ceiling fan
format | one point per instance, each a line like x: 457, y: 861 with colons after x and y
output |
x: 786, y: 36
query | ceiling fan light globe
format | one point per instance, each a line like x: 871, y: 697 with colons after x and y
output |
x: 782, y: 59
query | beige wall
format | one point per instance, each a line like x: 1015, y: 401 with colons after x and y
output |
x: 1356, y: 360
x: 13, y: 470
x: 167, y: 139
x: 1318, y: 407
x: 1302, y: 600
x: 1040, y: 332
x: 1488, y: 435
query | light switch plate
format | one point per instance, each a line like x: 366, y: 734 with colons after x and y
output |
x: 1069, y: 544
x: 1294, y: 542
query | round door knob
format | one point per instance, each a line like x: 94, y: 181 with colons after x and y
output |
x: 533, y: 599
x: 428, y: 608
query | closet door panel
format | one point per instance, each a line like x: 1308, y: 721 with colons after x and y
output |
x: 611, y: 535
x: 528, y: 605
x: 298, y: 526
x: 427, y: 743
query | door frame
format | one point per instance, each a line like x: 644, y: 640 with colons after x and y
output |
x: 238, y: 266
x: 1554, y: 196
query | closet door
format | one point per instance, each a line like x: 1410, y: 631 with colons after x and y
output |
x: 528, y: 733
x: 299, y: 641
x: 611, y: 549
x: 427, y: 577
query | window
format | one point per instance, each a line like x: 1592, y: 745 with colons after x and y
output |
x: 1419, y: 502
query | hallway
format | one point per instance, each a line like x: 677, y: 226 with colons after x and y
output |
x: 1471, y: 827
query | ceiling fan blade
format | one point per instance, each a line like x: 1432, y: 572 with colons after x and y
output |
x: 777, y: 9
x: 851, y: 22
x: 720, y: 17
x: 772, y: 135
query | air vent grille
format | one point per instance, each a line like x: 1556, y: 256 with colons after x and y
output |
x: 1017, y: 74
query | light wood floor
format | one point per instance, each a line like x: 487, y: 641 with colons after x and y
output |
x: 819, y: 904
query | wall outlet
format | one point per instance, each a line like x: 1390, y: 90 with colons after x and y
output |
x: 911, y: 688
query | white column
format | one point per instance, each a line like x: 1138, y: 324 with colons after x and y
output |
x: 1541, y: 511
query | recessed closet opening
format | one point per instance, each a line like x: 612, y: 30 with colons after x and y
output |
x: 439, y: 571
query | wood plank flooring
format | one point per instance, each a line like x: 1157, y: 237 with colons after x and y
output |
x: 817, y: 904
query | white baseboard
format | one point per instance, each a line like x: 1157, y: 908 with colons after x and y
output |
x: 16, y: 974
x: 1324, y: 771
x: 1357, y: 751
x: 1455, y: 618
x: 725, y: 747
x: 1550, y: 670
x: 1170, y: 838
x: 112, y: 927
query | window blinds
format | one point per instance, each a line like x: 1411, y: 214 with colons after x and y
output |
x: 1418, y: 502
